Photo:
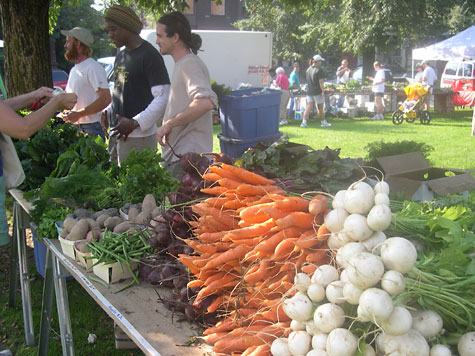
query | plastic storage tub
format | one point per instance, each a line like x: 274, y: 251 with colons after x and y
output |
x: 40, y: 254
x: 250, y: 113
x: 234, y: 148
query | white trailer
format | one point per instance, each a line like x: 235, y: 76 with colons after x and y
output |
x: 232, y: 57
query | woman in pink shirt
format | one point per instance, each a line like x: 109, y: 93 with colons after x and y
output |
x: 282, y: 82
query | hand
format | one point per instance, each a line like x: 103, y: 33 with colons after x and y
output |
x: 42, y: 93
x: 105, y: 123
x: 71, y: 116
x: 66, y: 100
x: 162, y: 134
x: 123, y: 128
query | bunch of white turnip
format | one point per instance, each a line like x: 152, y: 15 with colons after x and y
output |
x: 369, y: 271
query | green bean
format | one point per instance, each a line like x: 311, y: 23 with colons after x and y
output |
x: 99, y: 281
x: 128, y: 285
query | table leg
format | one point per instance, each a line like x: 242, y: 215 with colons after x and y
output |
x: 20, y: 226
x: 60, y: 273
x: 46, y: 307
x: 13, y: 271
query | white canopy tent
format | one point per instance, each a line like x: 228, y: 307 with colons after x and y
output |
x: 459, y: 46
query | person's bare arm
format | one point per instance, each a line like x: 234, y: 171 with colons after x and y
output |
x: 104, y: 99
x: 24, y: 100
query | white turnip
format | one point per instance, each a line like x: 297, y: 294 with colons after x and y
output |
x: 393, y: 282
x: 356, y: 227
x: 359, y: 198
x: 398, y: 254
x: 316, y: 292
x: 381, y: 187
x: 427, y: 322
x: 365, y: 270
x: 324, y: 275
x: 381, y: 199
x: 280, y: 347
x: 317, y: 352
x: 410, y: 344
x: 344, y: 253
x: 466, y: 344
x: 333, y: 243
x: 299, y: 342
x: 399, y: 322
x: 374, y: 242
x: 297, y: 325
x: 344, y: 276
x: 311, y: 328
x: 299, y: 307
x: 351, y: 293
x: 341, y: 342
x: 376, y: 303
x: 440, y: 350
x: 334, y: 292
x: 319, y: 341
x: 328, y: 316
x: 301, y: 282
x: 339, y: 199
x: 379, y: 217
x: 335, y: 218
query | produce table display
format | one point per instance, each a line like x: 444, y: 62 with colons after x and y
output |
x: 286, y: 251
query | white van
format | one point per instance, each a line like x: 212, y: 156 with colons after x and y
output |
x: 461, y: 69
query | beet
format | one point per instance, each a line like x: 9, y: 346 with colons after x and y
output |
x: 180, y: 282
x: 168, y: 214
x: 161, y: 226
x: 164, y: 238
x: 175, y: 249
x: 154, y: 277
x: 219, y: 157
x: 190, y: 313
x: 153, y: 242
x: 144, y: 271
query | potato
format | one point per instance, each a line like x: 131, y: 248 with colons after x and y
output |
x: 68, y: 223
x: 101, y: 219
x: 157, y: 211
x: 149, y: 203
x: 93, y: 225
x: 81, y: 246
x: 143, y: 218
x: 82, y: 213
x: 133, y: 212
x: 111, y: 222
x: 122, y: 227
x: 63, y: 233
x: 79, y: 231
x: 96, y: 234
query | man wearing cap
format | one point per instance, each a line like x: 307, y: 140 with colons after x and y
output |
x: 428, y: 79
x: 88, y: 80
x: 315, y: 77
x: 141, y: 86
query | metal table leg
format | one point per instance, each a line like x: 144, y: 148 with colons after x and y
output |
x: 21, y: 223
x: 60, y: 273
x: 13, y: 270
x: 48, y: 294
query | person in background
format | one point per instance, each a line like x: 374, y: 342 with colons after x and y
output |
x: 187, y: 125
x: 88, y: 80
x: 428, y: 79
x: 20, y: 127
x: 419, y: 73
x: 141, y: 86
x: 294, y: 84
x: 315, y: 94
x: 281, y: 82
x: 378, y: 90
x: 272, y: 74
x: 343, y: 75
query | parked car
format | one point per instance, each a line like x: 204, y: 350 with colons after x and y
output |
x: 454, y: 70
x: 60, y: 78
x: 108, y: 64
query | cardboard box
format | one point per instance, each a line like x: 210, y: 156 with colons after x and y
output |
x: 83, y: 261
x: 122, y: 340
x: 68, y: 248
x: 411, y: 174
x: 112, y: 273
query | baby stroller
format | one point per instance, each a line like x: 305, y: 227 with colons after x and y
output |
x: 411, y: 109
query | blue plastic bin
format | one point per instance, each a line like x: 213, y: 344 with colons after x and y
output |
x: 40, y: 254
x: 234, y: 148
x: 249, y: 114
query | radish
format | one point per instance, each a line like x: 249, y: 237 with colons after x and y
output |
x: 324, y: 275
x: 339, y: 199
x: 299, y: 342
x: 440, y: 350
x: 466, y: 344
x: 299, y: 307
x: 359, y: 198
x: 376, y: 303
x: 343, y: 238
x: 399, y: 254
x: 379, y: 217
x: 356, y: 227
x: 351, y: 293
x: 328, y: 316
x: 363, y: 315
x: 393, y: 282
x: 398, y: 323
x: 382, y: 187
x: 381, y: 199
x: 297, y: 325
x: 427, y: 322
x: 311, y: 328
x: 317, y: 352
x: 373, y: 243
x: 334, y: 292
x: 345, y: 252
x: 316, y: 292
x: 335, y: 218
x: 341, y: 342
x: 280, y: 347
x: 410, y: 344
x: 333, y: 243
x: 365, y: 270
x: 344, y: 276
x: 301, y: 282
x: 319, y: 341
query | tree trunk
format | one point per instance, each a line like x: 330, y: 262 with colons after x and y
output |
x: 368, y: 60
x: 26, y: 44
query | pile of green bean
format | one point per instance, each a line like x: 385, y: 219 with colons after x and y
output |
x: 122, y: 248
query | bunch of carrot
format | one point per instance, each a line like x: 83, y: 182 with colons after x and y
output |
x: 251, y: 240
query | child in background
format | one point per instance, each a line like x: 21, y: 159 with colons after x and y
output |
x: 408, y: 105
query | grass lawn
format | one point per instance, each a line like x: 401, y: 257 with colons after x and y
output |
x: 448, y: 134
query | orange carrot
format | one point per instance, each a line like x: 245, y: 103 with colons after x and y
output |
x: 216, y: 190
x: 249, y: 190
x: 261, y: 350
x: 216, y: 202
x: 215, y: 304
x: 251, y: 231
x: 307, y: 239
x: 211, y: 177
x: 212, y: 338
x: 234, y: 204
x: 317, y: 257
x: 309, y: 268
x: 247, y: 176
x: 212, y: 236
x: 222, y: 172
x: 318, y: 204
x: 195, y: 283
x: 292, y: 204
x: 297, y: 218
x: 283, y: 249
x: 229, y: 183
x: 223, y: 257
x: 249, y: 350
x: 323, y: 233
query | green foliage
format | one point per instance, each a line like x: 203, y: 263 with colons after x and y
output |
x: 52, y: 214
x: 220, y: 89
x: 382, y: 148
